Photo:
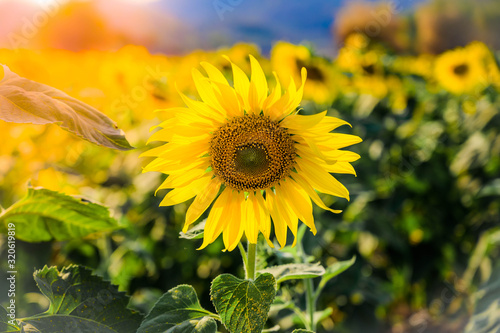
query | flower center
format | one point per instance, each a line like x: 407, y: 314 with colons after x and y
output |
x: 251, y: 159
x: 251, y: 153
x: 461, y: 70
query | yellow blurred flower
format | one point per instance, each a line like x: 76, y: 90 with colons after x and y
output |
x: 359, y: 61
x: 57, y: 180
x: 323, y: 82
x: 462, y: 70
x: 247, y: 151
x: 420, y: 65
x: 487, y: 59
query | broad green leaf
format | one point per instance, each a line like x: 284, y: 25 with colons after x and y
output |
x: 178, y: 310
x: 194, y: 233
x: 7, y: 323
x: 301, y: 330
x: 45, y: 215
x: 26, y: 101
x: 294, y: 271
x: 334, y: 270
x: 243, y: 305
x: 82, y: 302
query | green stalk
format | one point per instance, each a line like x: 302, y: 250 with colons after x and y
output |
x: 310, y: 303
x: 251, y: 259
x: 310, y: 293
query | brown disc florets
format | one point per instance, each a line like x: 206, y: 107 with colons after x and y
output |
x: 252, y: 153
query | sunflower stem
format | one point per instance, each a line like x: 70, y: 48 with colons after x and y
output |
x: 310, y: 303
x: 310, y: 293
x: 251, y: 259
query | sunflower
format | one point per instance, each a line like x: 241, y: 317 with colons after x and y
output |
x: 323, y: 83
x: 462, y: 70
x: 249, y: 153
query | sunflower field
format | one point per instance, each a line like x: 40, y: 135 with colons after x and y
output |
x: 179, y: 211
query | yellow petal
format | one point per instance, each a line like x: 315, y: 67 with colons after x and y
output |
x: 289, y: 102
x: 235, y: 226
x: 201, y: 202
x: 286, y: 212
x: 217, y: 219
x: 203, y: 109
x: 183, y: 133
x: 342, y: 155
x: 301, y: 123
x: 337, y: 141
x: 341, y: 167
x: 153, y: 151
x: 205, y: 91
x: 273, y: 96
x: 305, y: 151
x: 275, y: 110
x: 280, y: 226
x: 296, y: 97
x: 308, y: 142
x: 182, y: 179
x: 182, y: 194
x: 328, y: 124
x: 252, y: 216
x: 253, y: 99
x: 302, y: 182
x: 258, y: 78
x: 299, y: 201
x: 321, y: 179
x: 178, y: 157
x: 228, y: 100
x: 167, y: 166
x: 214, y: 74
x: 241, y: 83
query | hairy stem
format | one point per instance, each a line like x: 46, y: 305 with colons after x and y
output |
x: 251, y: 259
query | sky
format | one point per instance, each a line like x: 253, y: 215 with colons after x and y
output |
x: 263, y: 21
x: 180, y: 26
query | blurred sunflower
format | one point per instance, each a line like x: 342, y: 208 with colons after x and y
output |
x: 360, y: 62
x: 251, y: 154
x: 420, y: 65
x: 462, y: 70
x: 323, y: 84
x: 487, y: 59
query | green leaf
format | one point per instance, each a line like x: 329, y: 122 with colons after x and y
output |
x: 194, y: 233
x: 45, y: 215
x: 486, y: 316
x: 178, y: 310
x: 294, y: 271
x: 492, y: 188
x: 26, y: 101
x: 243, y: 305
x: 334, y: 270
x: 319, y: 316
x: 82, y: 302
x: 300, y: 330
x: 7, y: 323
